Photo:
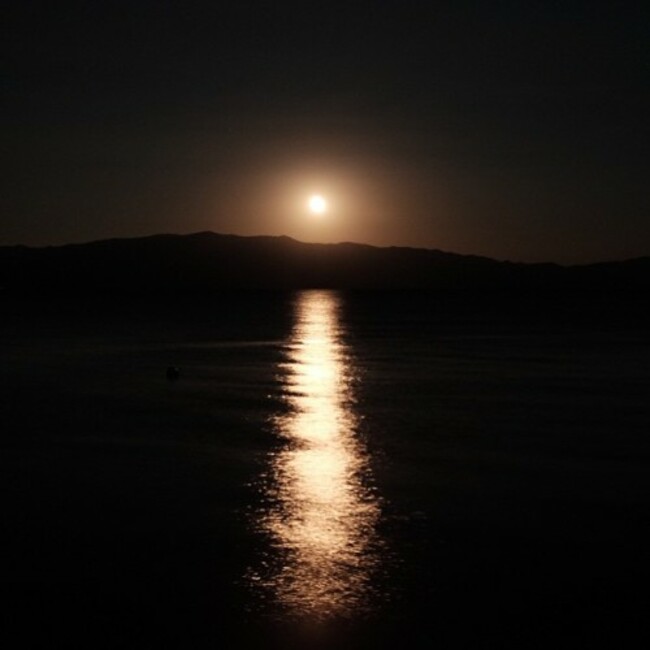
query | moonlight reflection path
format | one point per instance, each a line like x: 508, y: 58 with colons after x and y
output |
x: 322, y: 515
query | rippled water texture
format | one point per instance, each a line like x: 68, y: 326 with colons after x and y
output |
x: 322, y: 513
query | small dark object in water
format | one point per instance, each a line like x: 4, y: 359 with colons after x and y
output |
x: 173, y: 373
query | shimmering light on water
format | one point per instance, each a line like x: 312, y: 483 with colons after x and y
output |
x: 322, y: 514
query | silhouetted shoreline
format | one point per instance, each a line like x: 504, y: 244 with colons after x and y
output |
x: 202, y: 262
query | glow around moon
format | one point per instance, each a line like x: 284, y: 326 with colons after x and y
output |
x: 317, y: 204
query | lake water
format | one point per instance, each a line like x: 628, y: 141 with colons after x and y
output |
x: 329, y: 470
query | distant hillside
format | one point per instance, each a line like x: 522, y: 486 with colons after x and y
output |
x: 208, y: 261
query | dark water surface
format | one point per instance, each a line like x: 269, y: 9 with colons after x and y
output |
x: 330, y: 470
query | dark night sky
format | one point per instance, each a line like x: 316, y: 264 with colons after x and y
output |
x: 511, y: 129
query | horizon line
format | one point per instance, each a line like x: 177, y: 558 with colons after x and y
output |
x: 311, y: 243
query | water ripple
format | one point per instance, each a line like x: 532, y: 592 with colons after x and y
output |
x: 322, y: 515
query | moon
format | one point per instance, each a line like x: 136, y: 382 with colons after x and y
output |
x: 317, y: 204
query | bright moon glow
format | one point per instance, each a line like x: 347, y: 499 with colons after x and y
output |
x: 317, y: 204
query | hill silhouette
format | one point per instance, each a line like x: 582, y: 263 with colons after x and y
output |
x: 171, y: 264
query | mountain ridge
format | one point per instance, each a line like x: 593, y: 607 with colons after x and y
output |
x: 206, y: 260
